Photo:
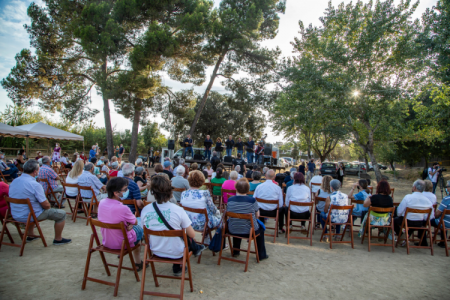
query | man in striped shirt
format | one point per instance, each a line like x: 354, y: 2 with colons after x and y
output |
x: 244, y: 204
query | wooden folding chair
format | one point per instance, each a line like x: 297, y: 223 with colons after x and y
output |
x: 124, y: 250
x: 151, y: 258
x: 316, y: 212
x: 251, y: 239
x: 355, y: 202
x: 441, y: 227
x: 63, y: 178
x: 4, y: 177
x: 275, y: 202
x: 390, y: 227
x: 427, y: 227
x: 392, y: 193
x: 228, y: 193
x: 178, y: 190
x: 49, y: 192
x: 93, y: 202
x: 309, y: 232
x: 64, y: 196
x: 370, y: 189
x: 349, y: 223
x: 106, y: 173
x: 216, y: 199
x: 251, y: 193
x: 206, y: 230
x: 31, y: 221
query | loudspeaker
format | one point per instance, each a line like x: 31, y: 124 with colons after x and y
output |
x: 268, y: 149
x: 275, y: 161
x: 171, y: 145
x: 227, y: 159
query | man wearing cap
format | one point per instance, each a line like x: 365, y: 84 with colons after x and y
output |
x: 167, y: 165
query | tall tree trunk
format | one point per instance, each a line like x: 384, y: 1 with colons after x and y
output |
x: 205, y: 95
x: 106, y: 113
x: 367, y: 162
x: 135, y: 131
x: 375, y: 165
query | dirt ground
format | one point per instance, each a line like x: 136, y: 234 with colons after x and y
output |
x: 292, y: 271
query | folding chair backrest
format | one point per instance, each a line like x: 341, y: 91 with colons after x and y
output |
x: 251, y: 193
x: 268, y: 201
x: 392, y: 192
x: 118, y: 226
x: 130, y: 202
x: 202, y: 211
x: 25, y: 201
x: 166, y: 233
x: 357, y: 201
x: 418, y: 211
x: 295, y: 203
x: 382, y: 210
x: 178, y: 190
x: 345, y: 207
x: 370, y: 189
x: 233, y: 215
x: 228, y: 192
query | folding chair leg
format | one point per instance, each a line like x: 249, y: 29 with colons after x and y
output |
x: 88, y: 260
x: 256, y: 249
x: 41, y: 234
x: 141, y: 295
x: 191, y: 284
x: 431, y: 241
x: 7, y: 233
x: 133, y: 265
x: 119, y: 269
x: 248, y: 252
x: 24, y: 237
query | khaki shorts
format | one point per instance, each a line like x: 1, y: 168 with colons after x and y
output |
x: 57, y: 215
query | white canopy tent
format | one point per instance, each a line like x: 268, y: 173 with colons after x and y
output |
x: 6, y: 130
x: 43, y: 131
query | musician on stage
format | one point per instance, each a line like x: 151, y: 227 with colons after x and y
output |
x: 259, y: 153
x: 240, y: 147
x: 219, y: 147
x: 230, y: 144
x: 208, y: 143
x: 250, y: 153
x: 188, y: 146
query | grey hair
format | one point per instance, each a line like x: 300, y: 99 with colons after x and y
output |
x: 237, y: 168
x: 40, y: 161
x: 138, y: 161
x: 181, y: 161
x: 180, y: 170
x: 214, y: 153
x: 233, y: 175
x: 30, y: 166
x: 102, y: 158
x: 127, y: 169
x: 419, y: 185
x: 115, y: 165
x: 335, y: 184
x: 139, y: 171
x: 88, y: 166
x: 46, y: 160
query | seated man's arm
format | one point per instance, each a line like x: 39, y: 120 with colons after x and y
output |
x: 40, y: 196
x: 401, y: 208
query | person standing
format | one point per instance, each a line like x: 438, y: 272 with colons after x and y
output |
x: 230, y: 144
x: 240, y: 147
x: 188, y: 146
x: 340, y: 172
x: 311, y: 169
x: 302, y: 168
x: 250, y: 152
x: 259, y: 154
x: 208, y: 144
x: 56, y: 153
x: 121, y: 151
x: 150, y: 158
x: 433, y: 174
x: 92, y: 153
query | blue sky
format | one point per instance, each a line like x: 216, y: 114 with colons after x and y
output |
x: 13, y: 38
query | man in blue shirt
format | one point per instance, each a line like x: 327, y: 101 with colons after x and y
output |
x: 92, y: 153
x: 208, y: 144
x: 188, y: 146
x: 311, y: 168
x: 26, y: 186
x: 230, y: 144
x: 133, y: 188
x: 250, y: 153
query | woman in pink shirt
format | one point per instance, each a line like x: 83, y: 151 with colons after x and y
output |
x: 229, y: 185
x: 112, y: 211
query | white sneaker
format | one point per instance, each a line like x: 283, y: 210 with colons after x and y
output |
x: 207, y: 240
x: 226, y: 247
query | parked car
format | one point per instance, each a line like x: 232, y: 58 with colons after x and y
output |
x: 198, y: 153
x: 328, y: 168
x: 355, y: 168
x: 289, y: 160
x: 144, y: 158
x: 380, y: 166
x: 283, y: 163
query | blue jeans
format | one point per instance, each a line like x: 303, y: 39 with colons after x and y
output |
x: 208, y: 154
x: 139, y: 231
x: 229, y: 152
x: 249, y: 157
x: 324, y: 216
x: 12, y: 172
x: 186, y: 150
x: 434, y: 187
x: 241, y: 152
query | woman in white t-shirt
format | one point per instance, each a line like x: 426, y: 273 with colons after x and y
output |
x: 176, y: 217
x: 299, y: 192
x: 72, y: 178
